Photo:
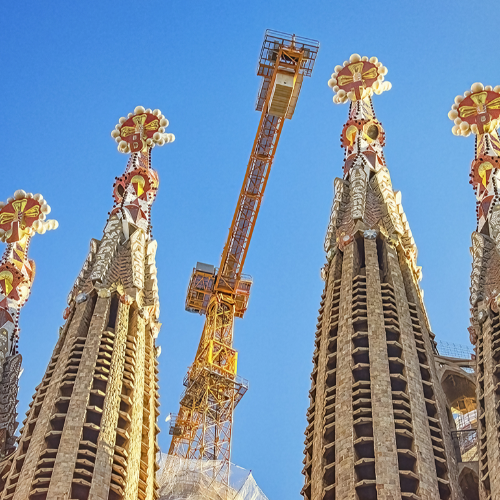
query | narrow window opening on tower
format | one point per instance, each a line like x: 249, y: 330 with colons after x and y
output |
x: 113, y: 312
x: 359, y: 257
x: 469, y: 483
x: 382, y: 260
x: 83, y: 329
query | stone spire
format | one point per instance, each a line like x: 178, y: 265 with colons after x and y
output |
x: 378, y: 427
x: 20, y: 218
x: 90, y: 432
x: 478, y: 112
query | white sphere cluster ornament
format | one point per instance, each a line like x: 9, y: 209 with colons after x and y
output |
x: 24, y: 215
x: 358, y: 79
x: 142, y: 129
x: 477, y: 111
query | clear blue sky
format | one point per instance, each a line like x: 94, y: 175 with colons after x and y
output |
x: 71, y: 69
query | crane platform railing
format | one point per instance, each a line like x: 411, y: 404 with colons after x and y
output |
x: 202, y: 287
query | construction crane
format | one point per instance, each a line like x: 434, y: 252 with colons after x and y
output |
x: 202, y: 429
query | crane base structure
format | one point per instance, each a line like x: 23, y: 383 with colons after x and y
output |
x: 183, y: 479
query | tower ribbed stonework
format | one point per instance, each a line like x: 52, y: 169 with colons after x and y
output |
x: 377, y: 423
x: 478, y: 112
x: 21, y: 217
x: 90, y: 432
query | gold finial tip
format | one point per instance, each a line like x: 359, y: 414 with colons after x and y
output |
x: 358, y: 78
x: 477, y: 111
x: 140, y: 130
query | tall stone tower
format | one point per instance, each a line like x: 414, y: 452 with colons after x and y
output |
x: 90, y: 432
x: 20, y: 218
x: 378, y: 426
x: 478, y: 112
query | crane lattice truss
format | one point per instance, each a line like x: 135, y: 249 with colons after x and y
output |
x: 202, y: 428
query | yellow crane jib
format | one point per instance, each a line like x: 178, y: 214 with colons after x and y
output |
x: 203, y: 427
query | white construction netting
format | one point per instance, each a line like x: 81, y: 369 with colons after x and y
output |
x: 183, y: 479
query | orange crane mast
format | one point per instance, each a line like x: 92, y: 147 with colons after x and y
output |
x: 202, y: 429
